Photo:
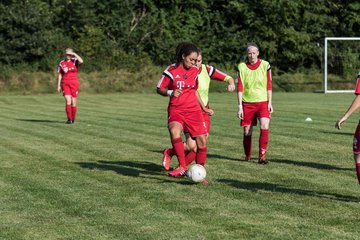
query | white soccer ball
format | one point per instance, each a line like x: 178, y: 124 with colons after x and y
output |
x: 196, y: 173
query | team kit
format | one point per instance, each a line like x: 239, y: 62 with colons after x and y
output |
x: 186, y: 83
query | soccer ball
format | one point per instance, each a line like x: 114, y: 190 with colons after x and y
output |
x: 196, y: 173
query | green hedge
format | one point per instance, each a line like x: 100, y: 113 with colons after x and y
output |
x: 145, y: 80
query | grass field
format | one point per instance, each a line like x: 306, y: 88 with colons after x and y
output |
x: 102, y: 178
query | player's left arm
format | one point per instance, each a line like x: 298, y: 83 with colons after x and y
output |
x: 216, y: 74
x: 231, y: 84
x: 269, y: 89
x: 79, y: 59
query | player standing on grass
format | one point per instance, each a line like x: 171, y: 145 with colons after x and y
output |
x: 207, y: 73
x: 353, y: 107
x: 179, y: 81
x: 255, y: 100
x: 68, y: 82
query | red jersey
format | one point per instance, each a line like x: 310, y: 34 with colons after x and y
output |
x: 68, y: 69
x: 176, y: 77
x: 357, y: 88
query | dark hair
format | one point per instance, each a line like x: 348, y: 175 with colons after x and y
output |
x: 184, y: 49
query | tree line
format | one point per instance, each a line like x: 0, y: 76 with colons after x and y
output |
x: 126, y: 34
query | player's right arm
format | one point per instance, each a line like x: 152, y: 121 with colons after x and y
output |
x: 239, y: 95
x: 59, y: 71
x: 353, y: 107
x: 164, y: 83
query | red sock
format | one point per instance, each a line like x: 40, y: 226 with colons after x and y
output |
x: 73, y: 110
x: 68, y: 111
x: 178, y: 148
x: 190, y: 157
x: 358, y: 171
x: 201, y: 156
x: 263, y: 141
x: 247, y: 143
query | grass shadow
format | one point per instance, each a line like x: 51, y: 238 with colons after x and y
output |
x: 277, y: 188
x: 126, y: 168
x: 39, y: 120
x: 208, y: 156
x: 311, y: 165
x: 133, y: 169
x: 337, y: 132
x: 223, y: 157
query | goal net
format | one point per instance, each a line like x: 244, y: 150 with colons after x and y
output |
x: 341, y: 64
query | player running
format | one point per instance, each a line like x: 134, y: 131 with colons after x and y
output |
x: 179, y: 81
x: 68, y: 82
x: 207, y: 74
x: 353, y: 107
x: 255, y: 100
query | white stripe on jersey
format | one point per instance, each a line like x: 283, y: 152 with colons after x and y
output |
x: 167, y: 74
x: 160, y: 81
x: 212, y: 69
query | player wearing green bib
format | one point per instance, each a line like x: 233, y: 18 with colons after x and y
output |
x: 255, y: 100
x: 207, y: 74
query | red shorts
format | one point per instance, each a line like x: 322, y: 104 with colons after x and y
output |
x: 206, y: 120
x: 356, y: 145
x: 192, y: 122
x: 254, y: 111
x: 70, y: 88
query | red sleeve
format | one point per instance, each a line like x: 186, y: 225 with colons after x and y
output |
x: 164, y: 82
x: 239, y: 83
x: 215, y: 74
x: 197, y: 78
x: 357, y: 88
x: 166, y: 77
x: 59, y: 69
x: 269, y: 79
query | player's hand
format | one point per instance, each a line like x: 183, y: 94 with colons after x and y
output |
x: 70, y: 52
x: 240, y: 113
x: 59, y: 89
x: 209, y: 111
x: 231, y: 87
x: 270, y: 107
x: 176, y: 93
x: 339, y: 122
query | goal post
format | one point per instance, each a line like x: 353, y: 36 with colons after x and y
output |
x: 341, y: 64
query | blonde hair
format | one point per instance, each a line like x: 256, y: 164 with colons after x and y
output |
x: 252, y: 45
x: 68, y: 50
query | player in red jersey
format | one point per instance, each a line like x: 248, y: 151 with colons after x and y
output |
x: 255, y: 100
x: 68, y: 82
x: 179, y: 82
x: 207, y: 74
x: 356, y: 144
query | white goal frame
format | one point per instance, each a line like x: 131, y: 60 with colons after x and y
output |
x: 325, y: 83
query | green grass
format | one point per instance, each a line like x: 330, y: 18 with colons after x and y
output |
x: 102, y: 178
